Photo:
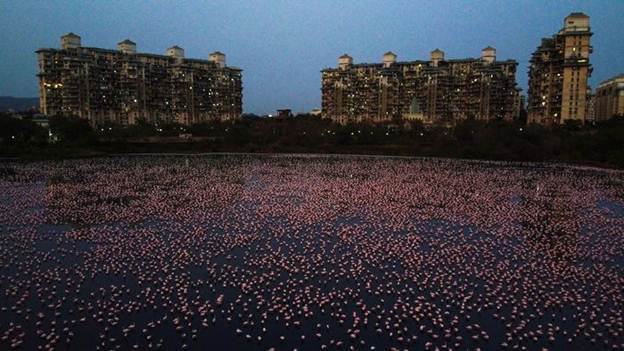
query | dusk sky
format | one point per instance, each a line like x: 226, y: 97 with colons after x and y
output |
x: 282, y: 45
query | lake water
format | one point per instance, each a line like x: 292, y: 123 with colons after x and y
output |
x: 307, y: 253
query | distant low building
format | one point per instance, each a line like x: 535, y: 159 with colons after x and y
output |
x: 609, y: 98
x: 41, y: 121
x: 315, y: 112
x: 122, y: 86
x: 284, y: 113
x: 440, y: 90
x: 415, y: 113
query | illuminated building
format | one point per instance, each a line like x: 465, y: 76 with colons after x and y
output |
x: 123, y: 86
x: 437, y: 91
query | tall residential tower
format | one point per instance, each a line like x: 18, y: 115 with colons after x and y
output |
x: 558, y: 74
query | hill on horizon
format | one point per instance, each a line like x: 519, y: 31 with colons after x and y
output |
x: 18, y: 103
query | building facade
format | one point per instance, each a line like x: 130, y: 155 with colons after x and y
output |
x: 122, y: 86
x: 558, y: 74
x: 609, y: 98
x: 437, y: 91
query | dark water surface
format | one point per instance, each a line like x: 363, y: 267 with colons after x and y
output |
x: 231, y: 253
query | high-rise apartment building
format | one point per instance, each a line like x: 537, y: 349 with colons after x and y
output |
x: 558, y: 74
x: 122, y: 86
x: 437, y: 91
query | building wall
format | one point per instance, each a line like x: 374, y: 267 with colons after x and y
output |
x: 443, y: 93
x: 609, y: 99
x: 575, y: 75
x: 108, y: 86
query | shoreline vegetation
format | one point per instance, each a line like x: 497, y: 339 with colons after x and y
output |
x: 598, y: 145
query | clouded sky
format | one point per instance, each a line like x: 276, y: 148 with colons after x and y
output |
x: 282, y: 45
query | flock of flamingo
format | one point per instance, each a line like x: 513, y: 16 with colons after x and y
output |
x: 307, y: 253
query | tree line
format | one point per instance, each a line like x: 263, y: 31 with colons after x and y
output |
x: 592, y: 143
